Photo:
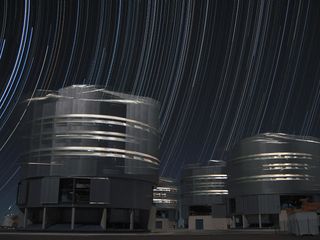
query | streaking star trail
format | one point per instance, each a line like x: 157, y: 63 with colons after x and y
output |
x: 222, y: 70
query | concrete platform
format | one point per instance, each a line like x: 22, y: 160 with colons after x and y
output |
x: 178, y: 235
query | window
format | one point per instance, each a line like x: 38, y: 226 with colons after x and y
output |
x: 66, y: 190
x: 82, y: 191
x: 74, y: 190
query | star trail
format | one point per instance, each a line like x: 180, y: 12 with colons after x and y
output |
x: 222, y: 70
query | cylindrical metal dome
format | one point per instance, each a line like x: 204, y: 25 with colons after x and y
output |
x: 165, y: 195
x: 204, y: 185
x: 275, y: 163
x: 92, y: 148
x: 87, y: 131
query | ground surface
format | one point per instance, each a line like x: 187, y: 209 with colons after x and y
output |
x: 184, y: 235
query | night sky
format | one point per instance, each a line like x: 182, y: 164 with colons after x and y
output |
x: 222, y: 70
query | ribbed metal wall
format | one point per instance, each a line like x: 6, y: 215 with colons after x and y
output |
x: 166, y: 195
x: 203, y: 185
x: 274, y: 163
x: 87, y: 131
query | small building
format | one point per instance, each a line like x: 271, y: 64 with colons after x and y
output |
x: 270, y: 173
x: 165, y: 200
x: 204, y: 196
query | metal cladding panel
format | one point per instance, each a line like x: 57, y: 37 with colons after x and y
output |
x: 22, y: 193
x: 193, y: 200
x: 74, y: 167
x: 131, y: 194
x: 269, y: 204
x: 240, y: 208
x: 247, y: 205
x: 34, y: 189
x: 146, y: 139
x: 219, y: 210
x: 255, y: 204
x: 50, y: 190
x: 100, y: 191
x: 275, y: 164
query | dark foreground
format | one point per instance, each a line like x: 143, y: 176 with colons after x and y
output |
x: 183, y: 235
